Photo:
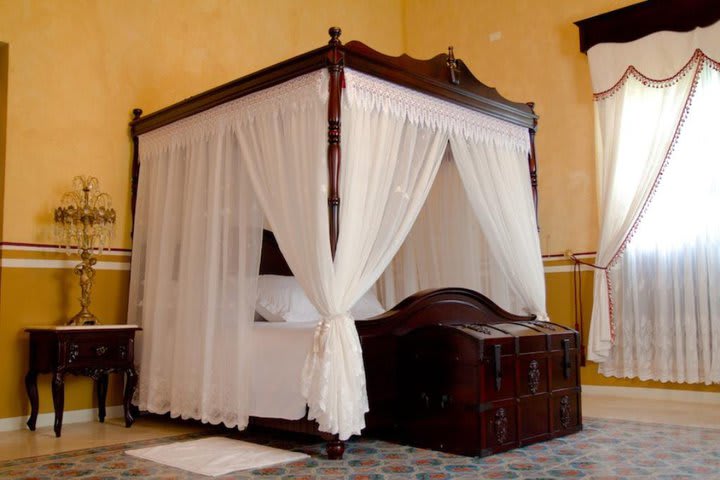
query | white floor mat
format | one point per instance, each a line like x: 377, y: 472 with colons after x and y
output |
x: 215, y: 456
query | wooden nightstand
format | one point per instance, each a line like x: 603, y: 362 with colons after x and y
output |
x: 94, y: 351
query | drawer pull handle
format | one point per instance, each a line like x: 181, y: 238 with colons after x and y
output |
x: 101, y: 350
x: 566, y: 358
x: 498, y: 367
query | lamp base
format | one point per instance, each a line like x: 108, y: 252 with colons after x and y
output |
x: 83, y: 318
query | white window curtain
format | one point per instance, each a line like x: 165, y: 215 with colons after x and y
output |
x: 497, y: 182
x: 667, y: 282
x: 446, y: 248
x: 640, y: 123
x: 195, y: 259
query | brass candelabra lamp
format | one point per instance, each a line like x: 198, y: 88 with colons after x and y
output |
x: 85, y: 221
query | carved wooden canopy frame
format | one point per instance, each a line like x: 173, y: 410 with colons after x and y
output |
x: 442, y: 76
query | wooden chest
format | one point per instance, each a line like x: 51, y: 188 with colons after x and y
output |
x: 479, y: 389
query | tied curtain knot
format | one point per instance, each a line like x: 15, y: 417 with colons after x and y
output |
x: 323, y: 328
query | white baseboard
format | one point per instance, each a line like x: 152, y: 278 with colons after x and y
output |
x: 689, y: 396
x: 69, y: 416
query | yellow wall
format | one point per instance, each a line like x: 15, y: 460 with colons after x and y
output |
x: 536, y: 59
x: 77, y: 69
x: 46, y: 296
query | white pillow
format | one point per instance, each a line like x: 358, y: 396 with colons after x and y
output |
x: 281, y: 299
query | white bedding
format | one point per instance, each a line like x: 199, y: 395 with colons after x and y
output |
x: 279, y: 355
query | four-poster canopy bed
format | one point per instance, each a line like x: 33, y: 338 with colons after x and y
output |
x: 400, y: 115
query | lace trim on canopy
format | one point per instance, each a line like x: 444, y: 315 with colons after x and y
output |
x: 364, y: 91
x: 699, y: 61
x: 297, y: 93
x: 368, y: 92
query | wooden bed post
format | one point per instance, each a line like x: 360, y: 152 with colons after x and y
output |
x: 532, y: 163
x: 137, y: 113
x: 335, y: 60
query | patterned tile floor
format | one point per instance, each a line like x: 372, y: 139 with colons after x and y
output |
x: 605, y: 449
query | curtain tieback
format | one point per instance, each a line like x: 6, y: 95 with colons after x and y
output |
x: 323, y: 328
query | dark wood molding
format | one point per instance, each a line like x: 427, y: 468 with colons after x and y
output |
x: 433, y: 77
x: 645, y: 18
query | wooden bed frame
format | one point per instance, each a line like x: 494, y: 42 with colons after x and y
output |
x: 444, y: 77
x: 379, y: 338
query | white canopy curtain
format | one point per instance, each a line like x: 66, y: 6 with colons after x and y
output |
x: 497, y: 181
x: 393, y: 140
x: 446, y: 247
x: 196, y: 253
x: 639, y: 122
x: 388, y: 167
x: 477, y: 230
x: 195, y: 259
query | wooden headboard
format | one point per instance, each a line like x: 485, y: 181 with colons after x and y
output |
x: 272, y: 261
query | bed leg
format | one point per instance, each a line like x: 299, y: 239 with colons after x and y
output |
x: 335, y: 449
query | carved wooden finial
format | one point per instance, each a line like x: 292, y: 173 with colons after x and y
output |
x: 334, y: 33
x: 452, y: 65
x: 137, y: 113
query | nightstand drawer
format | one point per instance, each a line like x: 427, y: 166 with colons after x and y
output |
x: 80, y: 351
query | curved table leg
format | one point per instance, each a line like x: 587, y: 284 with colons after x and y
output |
x: 58, y: 392
x: 130, y: 383
x: 32, y: 391
x: 102, y: 388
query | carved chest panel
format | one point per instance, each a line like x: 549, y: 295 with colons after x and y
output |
x: 479, y: 389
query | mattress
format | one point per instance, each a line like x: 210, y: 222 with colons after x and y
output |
x: 279, y: 354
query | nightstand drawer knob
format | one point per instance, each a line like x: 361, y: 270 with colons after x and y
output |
x: 101, y: 350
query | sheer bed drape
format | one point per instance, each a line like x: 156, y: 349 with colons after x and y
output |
x: 195, y: 258
x: 446, y: 247
x: 469, y: 233
x: 388, y: 167
x: 199, y: 224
